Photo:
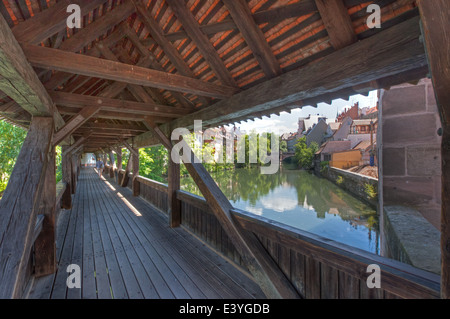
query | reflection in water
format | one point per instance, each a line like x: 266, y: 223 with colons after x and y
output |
x: 302, y: 200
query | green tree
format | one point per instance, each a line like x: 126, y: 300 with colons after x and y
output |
x: 304, y: 154
x: 283, y: 146
x: 11, y: 140
x: 58, y: 159
x: 153, y: 163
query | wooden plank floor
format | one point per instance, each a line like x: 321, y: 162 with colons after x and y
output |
x: 125, y: 249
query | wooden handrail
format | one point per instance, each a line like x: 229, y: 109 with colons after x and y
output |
x: 149, y: 182
x: 399, y: 278
x: 194, y: 200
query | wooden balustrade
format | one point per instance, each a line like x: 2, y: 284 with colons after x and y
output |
x: 317, y: 267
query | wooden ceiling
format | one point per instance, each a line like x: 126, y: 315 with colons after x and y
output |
x: 166, y: 60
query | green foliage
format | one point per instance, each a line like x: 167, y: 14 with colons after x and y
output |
x: 58, y: 159
x: 125, y: 157
x: 283, y: 147
x: 339, y: 180
x: 304, y: 154
x: 370, y: 191
x: 153, y: 163
x: 324, y: 167
x: 11, y: 140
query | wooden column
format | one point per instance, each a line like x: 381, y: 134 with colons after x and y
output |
x: 119, y: 163
x: 19, y: 207
x: 112, y: 161
x: 45, y: 244
x: 73, y: 163
x: 435, y: 16
x: 135, y: 164
x: 174, y: 203
x: 264, y: 270
x: 66, y: 201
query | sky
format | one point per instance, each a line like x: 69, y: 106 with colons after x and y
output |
x: 288, y: 122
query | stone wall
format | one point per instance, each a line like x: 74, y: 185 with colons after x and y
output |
x: 411, y: 238
x: 411, y: 149
x: 361, y: 186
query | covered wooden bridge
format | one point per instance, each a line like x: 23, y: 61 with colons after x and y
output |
x: 134, y: 71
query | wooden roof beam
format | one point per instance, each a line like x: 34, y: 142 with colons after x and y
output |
x: 390, y: 52
x: 19, y: 81
x: 105, y: 127
x: 206, y: 48
x: 106, y: 104
x: 97, y: 28
x: 85, y: 114
x: 148, y: 55
x: 337, y: 22
x: 115, y: 115
x: 138, y: 91
x: 158, y: 35
x: 275, y: 15
x: 95, y: 67
x: 60, y: 77
x: 170, y: 51
x: 254, y: 37
x: 48, y: 22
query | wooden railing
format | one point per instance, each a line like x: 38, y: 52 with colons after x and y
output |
x: 317, y: 267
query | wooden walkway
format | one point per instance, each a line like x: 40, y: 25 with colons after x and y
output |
x: 125, y: 249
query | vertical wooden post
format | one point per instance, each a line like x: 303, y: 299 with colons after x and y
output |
x: 45, y: 244
x: 73, y: 163
x: 119, y: 158
x: 174, y: 203
x: 119, y: 163
x: 112, y: 161
x: 66, y: 201
x: 135, y: 164
x: 435, y: 16
x: 19, y: 207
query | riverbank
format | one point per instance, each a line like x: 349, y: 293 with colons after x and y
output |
x: 362, y: 186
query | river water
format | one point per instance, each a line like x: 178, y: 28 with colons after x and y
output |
x: 302, y: 200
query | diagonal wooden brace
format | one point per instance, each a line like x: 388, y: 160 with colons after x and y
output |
x: 263, y: 268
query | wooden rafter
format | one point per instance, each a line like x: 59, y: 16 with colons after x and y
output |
x: 98, y: 27
x: 59, y: 78
x: 337, y: 22
x: 154, y: 64
x: 84, y: 115
x: 50, y: 21
x: 95, y: 67
x: 254, y: 37
x: 205, y: 46
x: 392, y: 51
x: 149, y: 108
x: 275, y: 15
x: 169, y: 50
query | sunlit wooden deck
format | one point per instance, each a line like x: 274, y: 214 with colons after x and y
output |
x: 125, y: 249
